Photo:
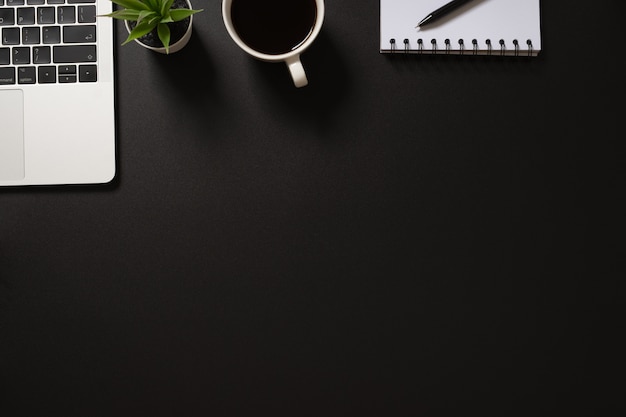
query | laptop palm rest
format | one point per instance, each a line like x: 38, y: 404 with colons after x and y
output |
x: 11, y: 135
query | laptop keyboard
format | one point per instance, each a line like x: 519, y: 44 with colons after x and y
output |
x: 48, y: 41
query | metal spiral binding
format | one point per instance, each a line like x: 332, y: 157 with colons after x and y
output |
x: 448, y: 47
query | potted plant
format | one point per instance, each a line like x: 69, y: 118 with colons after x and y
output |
x: 159, y: 25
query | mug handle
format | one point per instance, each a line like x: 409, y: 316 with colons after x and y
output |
x: 297, y: 71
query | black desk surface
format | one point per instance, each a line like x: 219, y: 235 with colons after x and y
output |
x: 406, y: 236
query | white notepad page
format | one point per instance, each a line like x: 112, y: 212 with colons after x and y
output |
x: 484, y: 27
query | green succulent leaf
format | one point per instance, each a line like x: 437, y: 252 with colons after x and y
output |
x: 154, y: 5
x: 165, y: 6
x: 154, y: 20
x: 167, y: 19
x: 146, y: 14
x: 125, y: 14
x: 180, y: 14
x: 164, y: 35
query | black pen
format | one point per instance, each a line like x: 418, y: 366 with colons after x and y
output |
x: 442, y: 11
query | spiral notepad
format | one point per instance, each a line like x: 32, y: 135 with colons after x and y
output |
x: 480, y: 27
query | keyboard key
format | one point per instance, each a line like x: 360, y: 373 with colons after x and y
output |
x: 21, y: 55
x: 74, y: 53
x: 80, y: 1
x: 79, y: 34
x: 51, y: 34
x: 45, y: 15
x: 5, y: 56
x: 87, y: 73
x: 7, y: 75
x: 10, y: 36
x: 15, y: 2
x: 86, y: 14
x: 47, y: 74
x: 7, y: 17
x: 35, y: 2
x: 26, y: 16
x: 66, y: 14
x: 31, y: 36
x: 26, y: 75
x: 56, y: 1
x: 66, y: 79
x: 41, y: 55
x: 67, y: 69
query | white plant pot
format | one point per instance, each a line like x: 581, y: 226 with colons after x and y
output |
x: 174, y: 47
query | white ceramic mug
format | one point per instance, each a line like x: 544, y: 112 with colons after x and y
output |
x: 291, y: 58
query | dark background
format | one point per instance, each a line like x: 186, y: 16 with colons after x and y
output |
x: 406, y: 236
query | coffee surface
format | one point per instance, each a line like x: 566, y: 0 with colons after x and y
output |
x: 273, y: 27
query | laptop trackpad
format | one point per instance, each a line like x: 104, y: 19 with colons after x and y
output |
x: 12, y: 137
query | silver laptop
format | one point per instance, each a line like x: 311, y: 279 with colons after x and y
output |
x: 57, y: 115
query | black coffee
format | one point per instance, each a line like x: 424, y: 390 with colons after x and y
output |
x: 273, y: 27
